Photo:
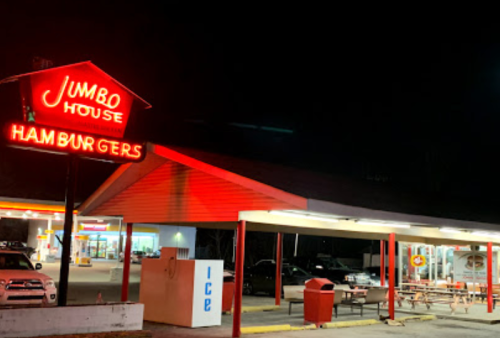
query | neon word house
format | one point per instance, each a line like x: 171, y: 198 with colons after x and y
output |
x: 50, y: 139
x: 80, y: 98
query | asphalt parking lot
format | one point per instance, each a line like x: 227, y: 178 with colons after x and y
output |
x: 85, y: 283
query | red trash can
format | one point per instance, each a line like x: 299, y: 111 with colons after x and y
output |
x: 318, y: 301
x: 227, y: 292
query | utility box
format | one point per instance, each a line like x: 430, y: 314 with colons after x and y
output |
x: 180, y: 291
x: 318, y: 301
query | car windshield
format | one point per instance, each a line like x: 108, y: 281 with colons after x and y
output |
x: 331, y: 263
x: 14, y: 262
x: 295, y: 271
x: 138, y: 253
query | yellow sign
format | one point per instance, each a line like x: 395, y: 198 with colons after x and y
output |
x: 82, y: 237
x: 417, y: 261
x: 49, y: 231
x: 41, y: 237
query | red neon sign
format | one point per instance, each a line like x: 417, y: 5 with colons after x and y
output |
x: 79, y: 97
x: 89, y: 227
x: 51, y: 139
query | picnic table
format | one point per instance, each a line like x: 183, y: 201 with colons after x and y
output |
x: 355, y: 292
x: 429, y: 296
x: 408, y: 286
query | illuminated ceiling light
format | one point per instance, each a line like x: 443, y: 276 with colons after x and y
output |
x: 56, y: 213
x: 25, y: 216
x: 178, y: 234
x: 485, y: 234
x: 35, y: 214
x: 450, y: 230
x: 9, y: 213
x: 306, y: 216
x: 380, y: 224
x: 100, y: 221
x: 28, y: 212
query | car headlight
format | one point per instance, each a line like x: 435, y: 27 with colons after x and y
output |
x: 2, y: 283
x: 49, y: 283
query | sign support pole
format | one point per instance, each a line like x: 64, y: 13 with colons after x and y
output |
x: 68, y: 225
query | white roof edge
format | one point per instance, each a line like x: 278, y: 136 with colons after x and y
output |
x: 349, y: 211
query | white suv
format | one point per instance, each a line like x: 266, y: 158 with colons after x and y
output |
x: 21, y: 284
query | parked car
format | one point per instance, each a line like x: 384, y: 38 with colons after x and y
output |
x: 154, y: 254
x: 135, y: 256
x: 18, y: 246
x: 332, y: 269
x: 262, y: 278
x: 21, y: 284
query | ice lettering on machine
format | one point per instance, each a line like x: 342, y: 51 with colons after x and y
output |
x: 80, y: 98
x: 207, y: 293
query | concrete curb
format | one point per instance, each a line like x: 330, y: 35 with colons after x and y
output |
x: 115, y: 334
x: 350, y: 323
x: 419, y: 318
x: 262, y: 308
x: 265, y: 329
x: 275, y: 328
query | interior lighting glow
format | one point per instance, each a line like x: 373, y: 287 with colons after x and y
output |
x: 450, y: 230
x: 306, y: 216
x: 9, y: 213
x: 485, y: 234
x: 29, y: 212
x: 380, y: 224
x: 25, y: 216
x: 35, y: 215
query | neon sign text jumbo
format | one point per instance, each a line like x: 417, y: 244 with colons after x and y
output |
x: 46, y: 138
x: 82, y: 90
x: 80, y: 98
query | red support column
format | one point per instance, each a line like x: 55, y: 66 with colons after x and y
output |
x: 490, y: 277
x: 126, y: 262
x: 392, y: 259
x: 410, y: 267
x: 238, y: 270
x: 279, y: 256
x: 382, y: 263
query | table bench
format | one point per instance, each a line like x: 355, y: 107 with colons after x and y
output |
x: 293, y: 294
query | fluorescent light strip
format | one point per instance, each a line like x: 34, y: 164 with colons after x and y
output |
x: 485, y: 234
x: 390, y: 225
x: 296, y: 215
x: 450, y: 230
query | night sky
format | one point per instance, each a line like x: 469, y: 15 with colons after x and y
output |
x: 409, y: 109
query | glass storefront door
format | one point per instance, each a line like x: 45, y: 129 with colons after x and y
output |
x: 98, y: 246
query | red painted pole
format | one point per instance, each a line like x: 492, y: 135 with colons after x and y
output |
x: 410, y: 267
x: 279, y: 256
x: 126, y: 262
x: 238, y: 271
x: 490, y: 277
x: 392, y: 259
x: 382, y: 263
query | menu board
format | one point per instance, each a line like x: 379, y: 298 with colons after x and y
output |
x: 466, y: 264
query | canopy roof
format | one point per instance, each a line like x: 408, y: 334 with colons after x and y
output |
x: 185, y: 187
